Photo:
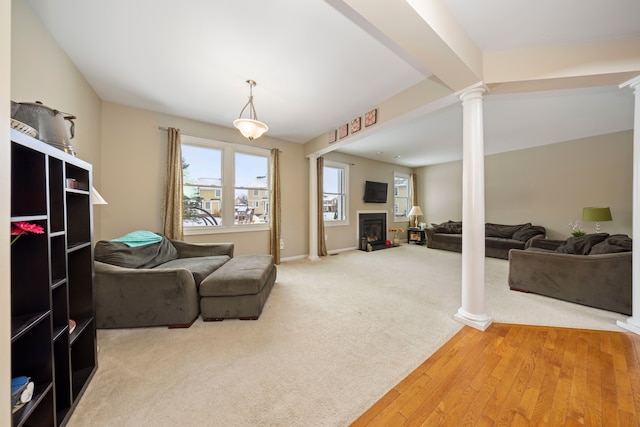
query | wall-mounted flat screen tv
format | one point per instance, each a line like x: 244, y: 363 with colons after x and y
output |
x: 375, y: 192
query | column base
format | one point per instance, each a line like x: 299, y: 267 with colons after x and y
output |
x: 479, y: 322
x: 313, y: 258
x: 630, y: 325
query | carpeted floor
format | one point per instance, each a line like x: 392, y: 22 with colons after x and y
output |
x: 335, y: 336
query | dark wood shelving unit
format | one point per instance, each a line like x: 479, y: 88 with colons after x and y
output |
x: 51, y: 280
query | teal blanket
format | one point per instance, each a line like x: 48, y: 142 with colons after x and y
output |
x: 139, y: 238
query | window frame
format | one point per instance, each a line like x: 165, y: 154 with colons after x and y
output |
x: 228, y: 187
x: 345, y: 185
x: 405, y: 176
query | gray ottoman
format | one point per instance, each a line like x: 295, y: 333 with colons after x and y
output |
x: 238, y: 289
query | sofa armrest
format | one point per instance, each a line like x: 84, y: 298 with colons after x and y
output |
x: 135, y: 297
x: 429, y: 232
x: 192, y: 250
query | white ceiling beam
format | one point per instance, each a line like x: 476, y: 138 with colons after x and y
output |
x: 583, y: 61
x: 425, y: 34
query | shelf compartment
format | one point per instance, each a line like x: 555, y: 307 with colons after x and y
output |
x: 30, y: 273
x: 28, y: 181
x: 29, y: 357
x: 83, y: 357
x: 58, y: 258
x: 80, y: 175
x: 60, y: 308
x: 39, y: 411
x: 80, y: 267
x: 78, y: 218
x: 62, y: 384
x: 56, y: 195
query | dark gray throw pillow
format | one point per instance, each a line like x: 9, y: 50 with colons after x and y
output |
x: 581, y: 245
x: 528, y: 231
x: 449, y: 227
x: 147, y: 256
x: 613, y: 244
x: 501, y: 230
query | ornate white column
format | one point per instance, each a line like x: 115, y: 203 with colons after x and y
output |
x: 313, y: 207
x: 633, y: 323
x: 472, y: 311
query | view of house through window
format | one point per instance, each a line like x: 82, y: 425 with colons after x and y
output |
x: 401, y: 203
x: 335, y: 176
x: 252, y: 189
x: 224, y: 184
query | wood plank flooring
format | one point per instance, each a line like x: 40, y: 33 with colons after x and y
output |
x: 516, y: 375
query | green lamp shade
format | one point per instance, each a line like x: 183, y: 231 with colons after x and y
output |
x: 596, y: 214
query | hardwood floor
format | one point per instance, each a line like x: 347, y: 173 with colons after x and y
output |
x: 522, y: 376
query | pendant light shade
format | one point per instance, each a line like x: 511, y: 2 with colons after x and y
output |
x: 250, y: 128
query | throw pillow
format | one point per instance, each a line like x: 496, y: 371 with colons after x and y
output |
x: 613, y: 244
x: 500, y: 230
x: 440, y: 228
x: 449, y: 227
x: 455, y: 227
x: 147, y: 256
x: 581, y: 245
x: 528, y: 231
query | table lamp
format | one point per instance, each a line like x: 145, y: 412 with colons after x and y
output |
x: 415, y: 212
x: 596, y: 214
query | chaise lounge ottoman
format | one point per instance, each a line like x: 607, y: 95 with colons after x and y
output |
x: 238, y: 289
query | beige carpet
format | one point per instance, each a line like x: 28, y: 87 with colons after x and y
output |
x: 335, y: 335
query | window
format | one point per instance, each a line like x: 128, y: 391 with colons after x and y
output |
x: 225, y: 186
x: 335, y: 184
x: 401, y: 202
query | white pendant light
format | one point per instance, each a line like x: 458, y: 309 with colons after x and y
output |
x: 250, y: 128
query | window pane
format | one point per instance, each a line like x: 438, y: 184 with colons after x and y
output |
x: 401, y: 197
x: 251, y: 171
x: 251, y: 189
x: 332, y: 181
x: 333, y: 184
x: 333, y: 207
x: 202, y: 182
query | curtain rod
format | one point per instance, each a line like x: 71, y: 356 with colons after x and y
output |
x: 208, y: 137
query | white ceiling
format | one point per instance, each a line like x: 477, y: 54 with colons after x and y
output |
x: 318, y: 64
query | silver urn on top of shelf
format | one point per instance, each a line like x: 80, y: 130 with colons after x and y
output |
x: 48, y: 122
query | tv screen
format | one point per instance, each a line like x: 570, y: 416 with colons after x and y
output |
x: 375, y: 192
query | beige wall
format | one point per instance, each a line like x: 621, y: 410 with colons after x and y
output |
x: 134, y: 157
x: 361, y: 170
x: 547, y: 185
x: 41, y: 71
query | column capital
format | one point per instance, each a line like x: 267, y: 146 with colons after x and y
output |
x: 474, y: 91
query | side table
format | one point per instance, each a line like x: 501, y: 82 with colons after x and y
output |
x: 416, y: 235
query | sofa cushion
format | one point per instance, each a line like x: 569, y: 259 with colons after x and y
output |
x: 612, y: 244
x: 528, y: 231
x: 147, y: 256
x: 581, y: 245
x: 200, y: 267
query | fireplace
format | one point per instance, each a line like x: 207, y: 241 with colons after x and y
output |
x: 372, y: 230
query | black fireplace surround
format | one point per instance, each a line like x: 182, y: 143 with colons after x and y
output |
x: 373, y: 230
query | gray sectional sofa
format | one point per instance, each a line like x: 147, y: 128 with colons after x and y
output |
x: 158, y: 284
x: 499, y: 238
x: 592, y: 270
